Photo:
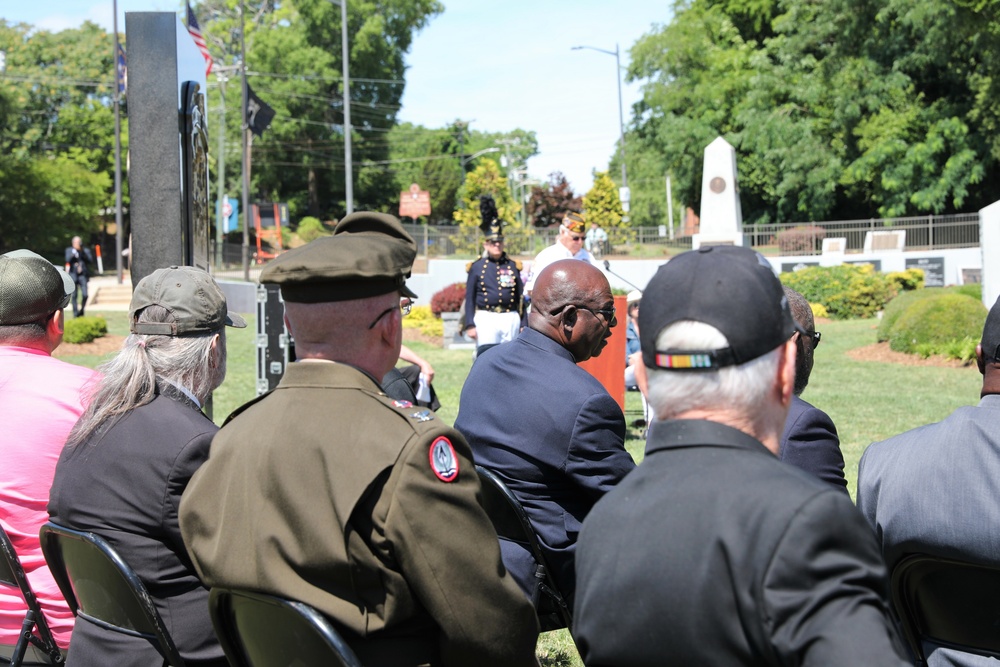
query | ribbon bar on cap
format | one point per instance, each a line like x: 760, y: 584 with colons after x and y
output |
x: 695, y: 360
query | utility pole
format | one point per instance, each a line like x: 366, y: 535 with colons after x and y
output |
x: 245, y: 147
x: 119, y: 232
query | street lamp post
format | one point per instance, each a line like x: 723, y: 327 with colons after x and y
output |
x: 466, y: 159
x: 621, y: 115
x: 348, y: 165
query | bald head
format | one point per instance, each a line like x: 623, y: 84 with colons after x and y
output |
x: 365, y: 333
x: 565, y: 305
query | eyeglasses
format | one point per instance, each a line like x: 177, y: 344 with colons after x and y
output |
x: 405, y: 305
x: 576, y: 238
x: 495, y: 242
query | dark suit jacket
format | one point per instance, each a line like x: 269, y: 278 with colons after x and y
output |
x: 126, y: 485
x: 555, y: 436
x: 934, y: 490
x: 810, y: 443
x: 79, y: 268
x: 714, y: 553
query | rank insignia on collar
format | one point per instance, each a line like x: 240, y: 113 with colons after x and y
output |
x: 444, y: 460
x: 402, y: 404
x: 422, y: 416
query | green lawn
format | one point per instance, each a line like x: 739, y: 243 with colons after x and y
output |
x: 867, y: 401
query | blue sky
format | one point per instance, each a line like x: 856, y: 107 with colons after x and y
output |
x: 499, y: 65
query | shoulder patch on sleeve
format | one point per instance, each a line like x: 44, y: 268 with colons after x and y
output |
x: 443, y: 459
x: 468, y: 266
x: 519, y: 264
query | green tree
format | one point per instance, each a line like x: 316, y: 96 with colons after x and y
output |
x: 294, y: 58
x: 836, y: 109
x: 602, y: 205
x: 487, y: 179
x: 56, y: 135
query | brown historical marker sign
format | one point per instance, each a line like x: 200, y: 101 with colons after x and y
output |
x: 414, y: 202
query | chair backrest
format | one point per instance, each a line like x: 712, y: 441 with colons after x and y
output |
x: 511, y: 523
x: 948, y: 602
x: 259, y: 630
x: 101, y: 588
x: 34, y: 629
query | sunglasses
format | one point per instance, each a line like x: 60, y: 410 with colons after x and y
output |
x: 576, y: 238
x: 607, y: 313
x: 813, y: 337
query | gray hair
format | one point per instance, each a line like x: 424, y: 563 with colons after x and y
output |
x: 742, y: 389
x: 129, y: 379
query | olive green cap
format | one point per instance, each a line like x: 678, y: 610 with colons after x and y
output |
x: 193, y: 298
x: 369, y: 254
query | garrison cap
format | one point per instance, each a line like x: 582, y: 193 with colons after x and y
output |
x: 369, y: 254
x: 574, y: 222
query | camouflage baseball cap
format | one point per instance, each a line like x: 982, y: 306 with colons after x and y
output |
x: 31, y: 288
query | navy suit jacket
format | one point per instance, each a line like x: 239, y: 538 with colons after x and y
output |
x: 810, y: 443
x: 555, y: 436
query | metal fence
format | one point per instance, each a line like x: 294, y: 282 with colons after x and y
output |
x: 928, y: 232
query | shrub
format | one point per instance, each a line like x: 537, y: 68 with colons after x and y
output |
x: 975, y: 290
x: 311, y: 228
x: 846, y: 291
x: 818, y: 310
x: 800, y: 240
x: 424, y: 320
x: 897, y: 307
x: 448, y: 300
x: 937, y: 319
x: 84, y: 329
x: 907, y: 280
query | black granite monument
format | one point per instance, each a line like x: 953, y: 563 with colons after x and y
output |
x: 168, y: 145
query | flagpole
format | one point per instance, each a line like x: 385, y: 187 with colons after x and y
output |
x: 119, y: 233
x: 245, y: 166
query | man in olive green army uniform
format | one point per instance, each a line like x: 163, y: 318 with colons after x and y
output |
x: 329, y: 492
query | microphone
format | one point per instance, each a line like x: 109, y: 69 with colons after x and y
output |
x: 607, y: 267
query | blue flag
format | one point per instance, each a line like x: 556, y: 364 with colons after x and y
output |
x: 122, y: 70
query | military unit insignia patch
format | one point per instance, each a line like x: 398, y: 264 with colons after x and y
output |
x: 423, y: 416
x: 402, y: 404
x: 444, y: 460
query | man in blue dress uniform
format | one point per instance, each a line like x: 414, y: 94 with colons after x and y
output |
x: 494, y: 289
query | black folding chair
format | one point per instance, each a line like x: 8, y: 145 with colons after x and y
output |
x: 511, y: 523
x: 948, y: 602
x: 259, y: 630
x: 102, y: 589
x: 34, y: 629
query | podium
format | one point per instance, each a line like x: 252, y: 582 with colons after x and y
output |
x: 609, y: 368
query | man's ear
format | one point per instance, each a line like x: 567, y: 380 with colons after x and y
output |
x: 979, y: 359
x: 54, y: 329
x: 786, y: 372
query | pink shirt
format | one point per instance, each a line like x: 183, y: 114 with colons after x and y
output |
x: 40, y: 401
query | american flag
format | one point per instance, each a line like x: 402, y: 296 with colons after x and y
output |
x: 199, y: 39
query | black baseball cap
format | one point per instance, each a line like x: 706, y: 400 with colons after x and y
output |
x: 991, y: 335
x: 731, y: 288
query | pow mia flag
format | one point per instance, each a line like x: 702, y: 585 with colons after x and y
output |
x: 258, y: 114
